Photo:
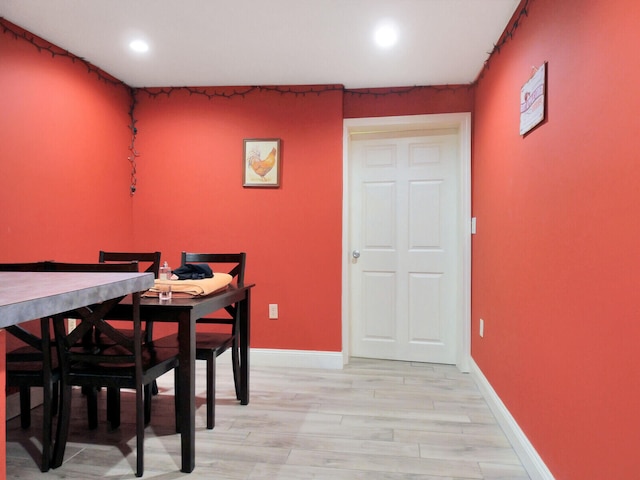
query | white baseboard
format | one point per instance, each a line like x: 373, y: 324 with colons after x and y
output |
x: 528, y: 455
x: 296, y: 358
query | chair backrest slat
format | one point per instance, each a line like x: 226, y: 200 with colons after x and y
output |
x: 152, y: 258
x: 23, y: 267
x: 236, y: 261
x: 91, y: 267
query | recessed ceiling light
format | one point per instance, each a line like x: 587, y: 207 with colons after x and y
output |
x: 139, y: 46
x: 386, y: 35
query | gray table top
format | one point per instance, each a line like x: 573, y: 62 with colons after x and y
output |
x: 30, y: 295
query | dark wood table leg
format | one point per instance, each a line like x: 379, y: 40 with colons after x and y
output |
x: 187, y: 391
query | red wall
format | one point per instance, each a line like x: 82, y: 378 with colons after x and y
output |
x: 556, y: 257
x: 64, y: 182
x: 388, y: 102
x: 190, y: 197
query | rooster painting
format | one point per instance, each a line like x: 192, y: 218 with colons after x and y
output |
x: 262, y: 160
x: 262, y: 167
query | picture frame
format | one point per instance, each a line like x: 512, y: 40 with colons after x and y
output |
x: 261, y: 162
x: 533, y: 100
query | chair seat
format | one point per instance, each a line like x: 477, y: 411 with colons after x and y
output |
x: 26, y: 353
x: 25, y: 360
x: 15, y: 370
x: 205, y: 343
x: 154, y: 362
x: 125, y: 331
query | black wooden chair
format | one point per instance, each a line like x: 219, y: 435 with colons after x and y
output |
x: 32, y: 365
x: 210, y: 345
x: 150, y: 261
x: 91, y: 338
x: 118, y: 362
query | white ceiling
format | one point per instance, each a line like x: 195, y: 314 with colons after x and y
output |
x: 272, y: 42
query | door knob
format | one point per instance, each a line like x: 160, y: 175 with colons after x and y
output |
x: 355, y: 254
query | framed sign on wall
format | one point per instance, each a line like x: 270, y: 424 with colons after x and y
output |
x: 533, y: 100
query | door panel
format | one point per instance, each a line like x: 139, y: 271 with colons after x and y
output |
x: 380, y: 288
x: 405, y: 215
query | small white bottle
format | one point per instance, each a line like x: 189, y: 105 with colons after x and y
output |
x: 165, y: 289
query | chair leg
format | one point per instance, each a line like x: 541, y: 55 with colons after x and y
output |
x: 148, y: 337
x: 62, y: 430
x: 47, y: 411
x: 148, y: 393
x: 113, y: 407
x: 235, y: 361
x: 92, y: 407
x: 25, y: 407
x: 176, y: 397
x: 211, y: 390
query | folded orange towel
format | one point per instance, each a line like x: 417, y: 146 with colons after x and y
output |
x: 192, y: 288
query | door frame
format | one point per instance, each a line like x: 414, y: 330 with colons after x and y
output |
x: 461, y: 121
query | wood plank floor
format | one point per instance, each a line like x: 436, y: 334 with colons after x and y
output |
x: 374, y: 420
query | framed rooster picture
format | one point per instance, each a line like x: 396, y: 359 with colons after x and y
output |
x: 261, y: 162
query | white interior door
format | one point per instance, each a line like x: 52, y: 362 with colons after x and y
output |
x: 405, y: 214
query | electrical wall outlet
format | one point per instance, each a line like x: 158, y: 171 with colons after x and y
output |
x: 273, y: 311
x: 481, y: 327
x: 71, y: 323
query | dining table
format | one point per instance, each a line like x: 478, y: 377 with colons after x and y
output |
x: 185, y: 312
x: 31, y: 295
x: 28, y: 296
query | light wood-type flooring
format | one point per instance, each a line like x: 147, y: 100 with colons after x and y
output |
x: 373, y: 420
